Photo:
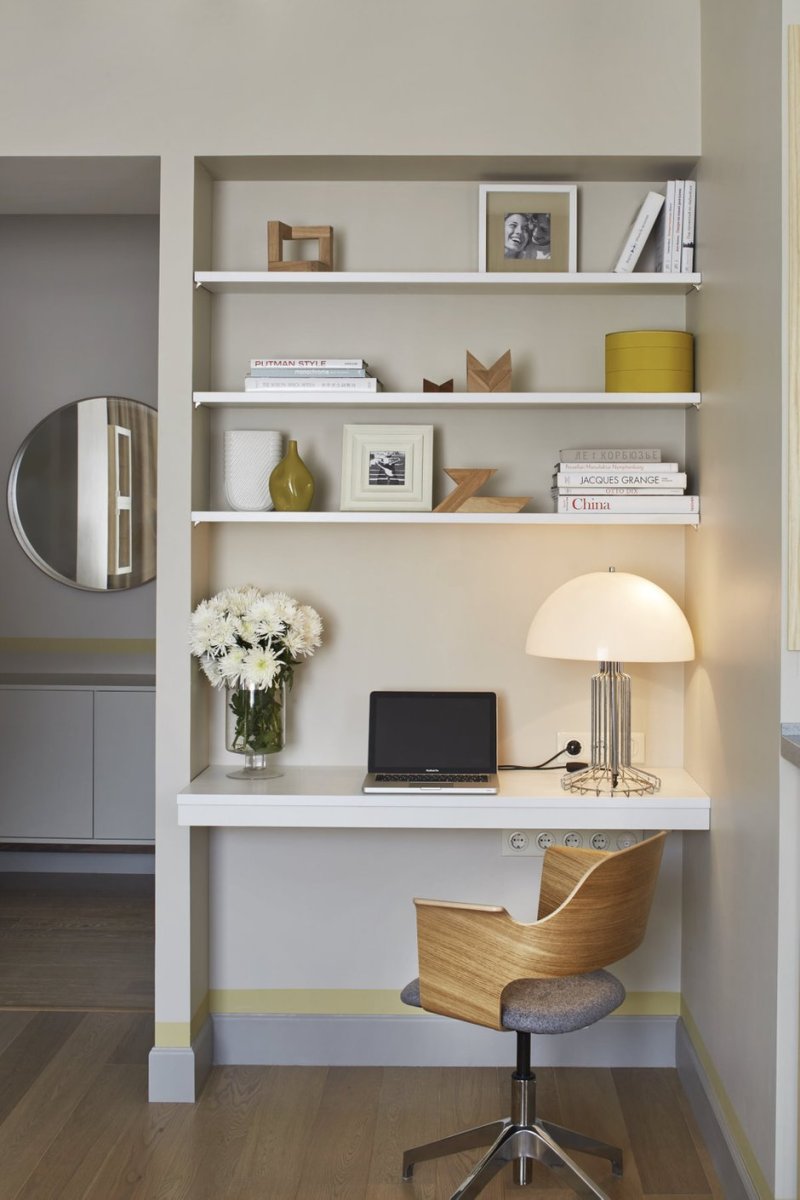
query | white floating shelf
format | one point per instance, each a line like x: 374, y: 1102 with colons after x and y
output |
x: 447, y: 281
x: 430, y: 518
x: 332, y: 399
x: 331, y: 797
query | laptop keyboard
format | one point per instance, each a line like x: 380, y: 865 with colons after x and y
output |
x: 432, y: 778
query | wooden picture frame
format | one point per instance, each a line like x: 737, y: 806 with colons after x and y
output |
x: 528, y: 227
x: 387, y: 468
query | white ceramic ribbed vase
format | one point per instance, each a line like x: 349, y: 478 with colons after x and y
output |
x: 251, y: 455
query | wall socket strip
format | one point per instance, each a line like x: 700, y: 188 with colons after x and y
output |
x: 532, y: 843
x: 585, y: 739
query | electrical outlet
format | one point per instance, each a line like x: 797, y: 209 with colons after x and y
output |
x: 637, y: 746
x: 532, y: 843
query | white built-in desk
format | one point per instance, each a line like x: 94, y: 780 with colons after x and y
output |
x: 331, y: 797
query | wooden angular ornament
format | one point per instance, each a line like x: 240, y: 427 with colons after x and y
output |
x: 463, y: 499
x: 427, y: 386
x: 278, y: 233
x: 496, y: 378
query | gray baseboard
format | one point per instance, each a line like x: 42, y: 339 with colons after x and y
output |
x: 719, y: 1140
x: 422, y: 1041
x: 84, y: 862
x: 178, y: 1075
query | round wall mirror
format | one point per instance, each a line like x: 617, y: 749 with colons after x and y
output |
x: 82, y: 494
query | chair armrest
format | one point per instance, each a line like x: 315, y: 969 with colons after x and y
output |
x: 563, y: 869
x: 467, y: 955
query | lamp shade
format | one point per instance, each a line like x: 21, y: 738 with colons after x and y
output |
x: 611, y: 616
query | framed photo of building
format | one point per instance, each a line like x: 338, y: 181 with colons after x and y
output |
x: 528, y: 227
x: 387, y: 468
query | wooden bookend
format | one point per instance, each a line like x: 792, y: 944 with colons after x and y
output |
x: 278, y: 233
x: 427, y: 386
x: 463, y: 499
x: 496, y: 378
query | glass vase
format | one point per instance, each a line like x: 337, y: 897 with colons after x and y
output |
x: 255, y: 726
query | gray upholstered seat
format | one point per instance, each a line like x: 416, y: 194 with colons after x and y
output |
x: 550, y: 1005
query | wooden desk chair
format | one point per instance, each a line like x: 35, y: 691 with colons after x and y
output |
x: 479, y: 965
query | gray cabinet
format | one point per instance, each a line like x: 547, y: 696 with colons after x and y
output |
x: 78, y: 758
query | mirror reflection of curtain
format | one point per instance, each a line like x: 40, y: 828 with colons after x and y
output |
x: 138, y: 530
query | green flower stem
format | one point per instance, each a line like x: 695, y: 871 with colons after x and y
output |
x: 259, y: 720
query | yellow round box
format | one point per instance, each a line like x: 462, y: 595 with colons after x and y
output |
x: 649, y: 360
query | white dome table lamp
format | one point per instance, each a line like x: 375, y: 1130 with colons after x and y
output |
x: 611, y: 617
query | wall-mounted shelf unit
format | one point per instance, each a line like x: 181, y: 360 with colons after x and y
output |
x: 448, y: 400
x: 579, y: 282
x: 443, y: 518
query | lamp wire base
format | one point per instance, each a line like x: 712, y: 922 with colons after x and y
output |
x: 601, y: 780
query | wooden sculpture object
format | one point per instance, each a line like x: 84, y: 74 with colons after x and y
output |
x: 496, y: 378
x: 278, y: 233
x: 463, y: 499
x: 427, y: 386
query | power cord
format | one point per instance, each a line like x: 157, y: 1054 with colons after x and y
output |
x: 573, y: 746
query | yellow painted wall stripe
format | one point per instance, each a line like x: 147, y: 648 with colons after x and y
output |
x: 178, y: 1035
x: 383, y: 1002
x: 735, y: 1126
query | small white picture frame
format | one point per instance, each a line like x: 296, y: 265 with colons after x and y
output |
x: 387, y: 468
x: 528, y: 227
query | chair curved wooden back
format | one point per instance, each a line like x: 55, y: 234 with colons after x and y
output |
x: 593, y: 910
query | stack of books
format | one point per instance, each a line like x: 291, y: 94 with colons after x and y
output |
x: 673, y: 219
x: 310, y: 375
x: 616, y: 480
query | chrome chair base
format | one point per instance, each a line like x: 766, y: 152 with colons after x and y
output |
x: 519, y: 1139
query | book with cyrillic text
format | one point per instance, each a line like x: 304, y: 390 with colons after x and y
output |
x: 252, y: 384
x: 583, y: 454
x: 611, y: 468
x: 689, y: 208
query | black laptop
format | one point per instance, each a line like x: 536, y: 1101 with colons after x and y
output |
x: 432, y: 742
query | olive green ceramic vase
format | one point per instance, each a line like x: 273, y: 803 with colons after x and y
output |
x: 291, y: 484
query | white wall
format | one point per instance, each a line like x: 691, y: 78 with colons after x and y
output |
x: 733, y: 571
x: 79, y: 297
x: 565, y: 80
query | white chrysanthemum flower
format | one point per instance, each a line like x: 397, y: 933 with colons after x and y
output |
x: 239, y: 601
x: 260, y: 667
x: 246, y: 629
x: 296, y: 643
x: 308, y: 627
x: 282, y: 606
x: 212, y: 671
x: 231, y: 665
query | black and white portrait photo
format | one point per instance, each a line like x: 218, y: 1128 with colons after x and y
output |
x: 527, y: 235
x: 387, y: 467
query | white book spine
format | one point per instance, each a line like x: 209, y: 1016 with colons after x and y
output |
x: 616, y: 491
x: 339, y: 363
x: 311, y: 385
x: 609, y: 468
x: 677, y: 226
x: 664, y: 231
x: 638, y: 479
x: 689, y: 209
x: 610, y: 454
x: 627, y: 504
x: 640, y: 231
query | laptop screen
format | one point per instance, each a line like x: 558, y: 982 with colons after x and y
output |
x: 433, y: 731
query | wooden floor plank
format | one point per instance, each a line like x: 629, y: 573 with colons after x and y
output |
x: 76, y: 1156
x: 148, y: 1161
x: 272, y: 1158
x: 682, y: 1101
x: 339, y: 1148
x: 407, y: 1112
x: 135, y: 1047
x: 29, y: 1053
x: 11, y: 1026
x: 665, y: 1154
x: 39, y: 1116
